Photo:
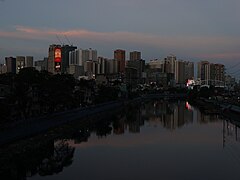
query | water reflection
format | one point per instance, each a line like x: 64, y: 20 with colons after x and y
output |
x: 170, y: 115
x: 60, y: 158
x: 231, y: 139
x: 47, y: 157
x: 43, y: 158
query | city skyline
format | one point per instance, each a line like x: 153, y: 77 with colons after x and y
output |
x: 206, y: 30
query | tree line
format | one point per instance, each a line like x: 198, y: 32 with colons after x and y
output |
x: 32, y: 93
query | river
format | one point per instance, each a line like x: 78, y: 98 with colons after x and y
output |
x: 147, y: 141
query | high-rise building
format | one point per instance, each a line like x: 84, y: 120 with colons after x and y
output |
x: 20, y: 63
x: 81, y: 57
x: 204, y: 70
x: 86, y: 58
x: 157, y: 65
x: 3, y: 68
x: 101, y: 65
x: 112, y: 66
x: 29, y: 61
x: 189, y: 66
x: 41, y: 65
x: 120, y: 56
x: 66, y: 49
x: 135, y: 55
x: 11, y: 64
x: 184, y: 70
x: 211, y: 74
x: 54, y: 59
x: 169, y: 66
x: 139, y: 65
x: 159, y: 71
x: 219, y: 70
x: 179, y: 73
x: 76, y: 70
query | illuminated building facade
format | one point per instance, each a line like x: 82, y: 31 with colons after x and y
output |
x: 20, y: 63
x: 54, y: 59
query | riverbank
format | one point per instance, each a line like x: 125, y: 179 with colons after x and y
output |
x: 34, y: 126
x: 211, y: 106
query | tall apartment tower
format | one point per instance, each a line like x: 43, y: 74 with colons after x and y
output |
x: 169, y: 66
x: 135, y: 55
x: 54, y: 58
x: 80, y: 56
x: 112, y: 66
x: 20, y: 63
x: 11, y: 64
x: 86, y: 58
x: 219, y: 72
x: 101, y: 65
x: 41, y: 65
x: 120, y: 56
x: 66, y: 49
x: 204, y: 70
x: 189, y: 70
x: 184, y: 70
x: 3, y: 68
x: 212, y: 74
x: 180, y: 71
x: 29, y: 61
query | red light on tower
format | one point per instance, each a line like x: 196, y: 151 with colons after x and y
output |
x: 57, y: 55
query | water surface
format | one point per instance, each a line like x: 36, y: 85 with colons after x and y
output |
x: 154, y: 140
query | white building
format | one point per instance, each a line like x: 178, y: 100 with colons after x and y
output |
x: 86, y: 58
x: 157, y: 64
x: 101, y: 65
x: 80, y: 56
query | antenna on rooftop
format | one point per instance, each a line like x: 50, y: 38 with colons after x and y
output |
x: 59, y: 40
x: 67, y: 39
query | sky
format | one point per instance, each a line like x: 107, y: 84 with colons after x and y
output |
x: 192, y: 30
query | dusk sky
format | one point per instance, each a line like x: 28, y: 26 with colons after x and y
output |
x: 191, y: 29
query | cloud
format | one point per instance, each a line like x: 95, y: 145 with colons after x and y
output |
x: 195, y: 46
x: 23, y: 32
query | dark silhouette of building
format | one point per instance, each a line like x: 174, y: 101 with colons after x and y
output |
x: 120, y: 56
x: 139, y: 66
x: 65, y: 56
x: 135, y: 55
x: 42, y: 65
x: 11, y: 64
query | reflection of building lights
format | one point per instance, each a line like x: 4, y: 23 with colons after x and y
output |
x: 188, y: 106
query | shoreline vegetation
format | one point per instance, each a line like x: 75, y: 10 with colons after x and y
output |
x: 35, y: 102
